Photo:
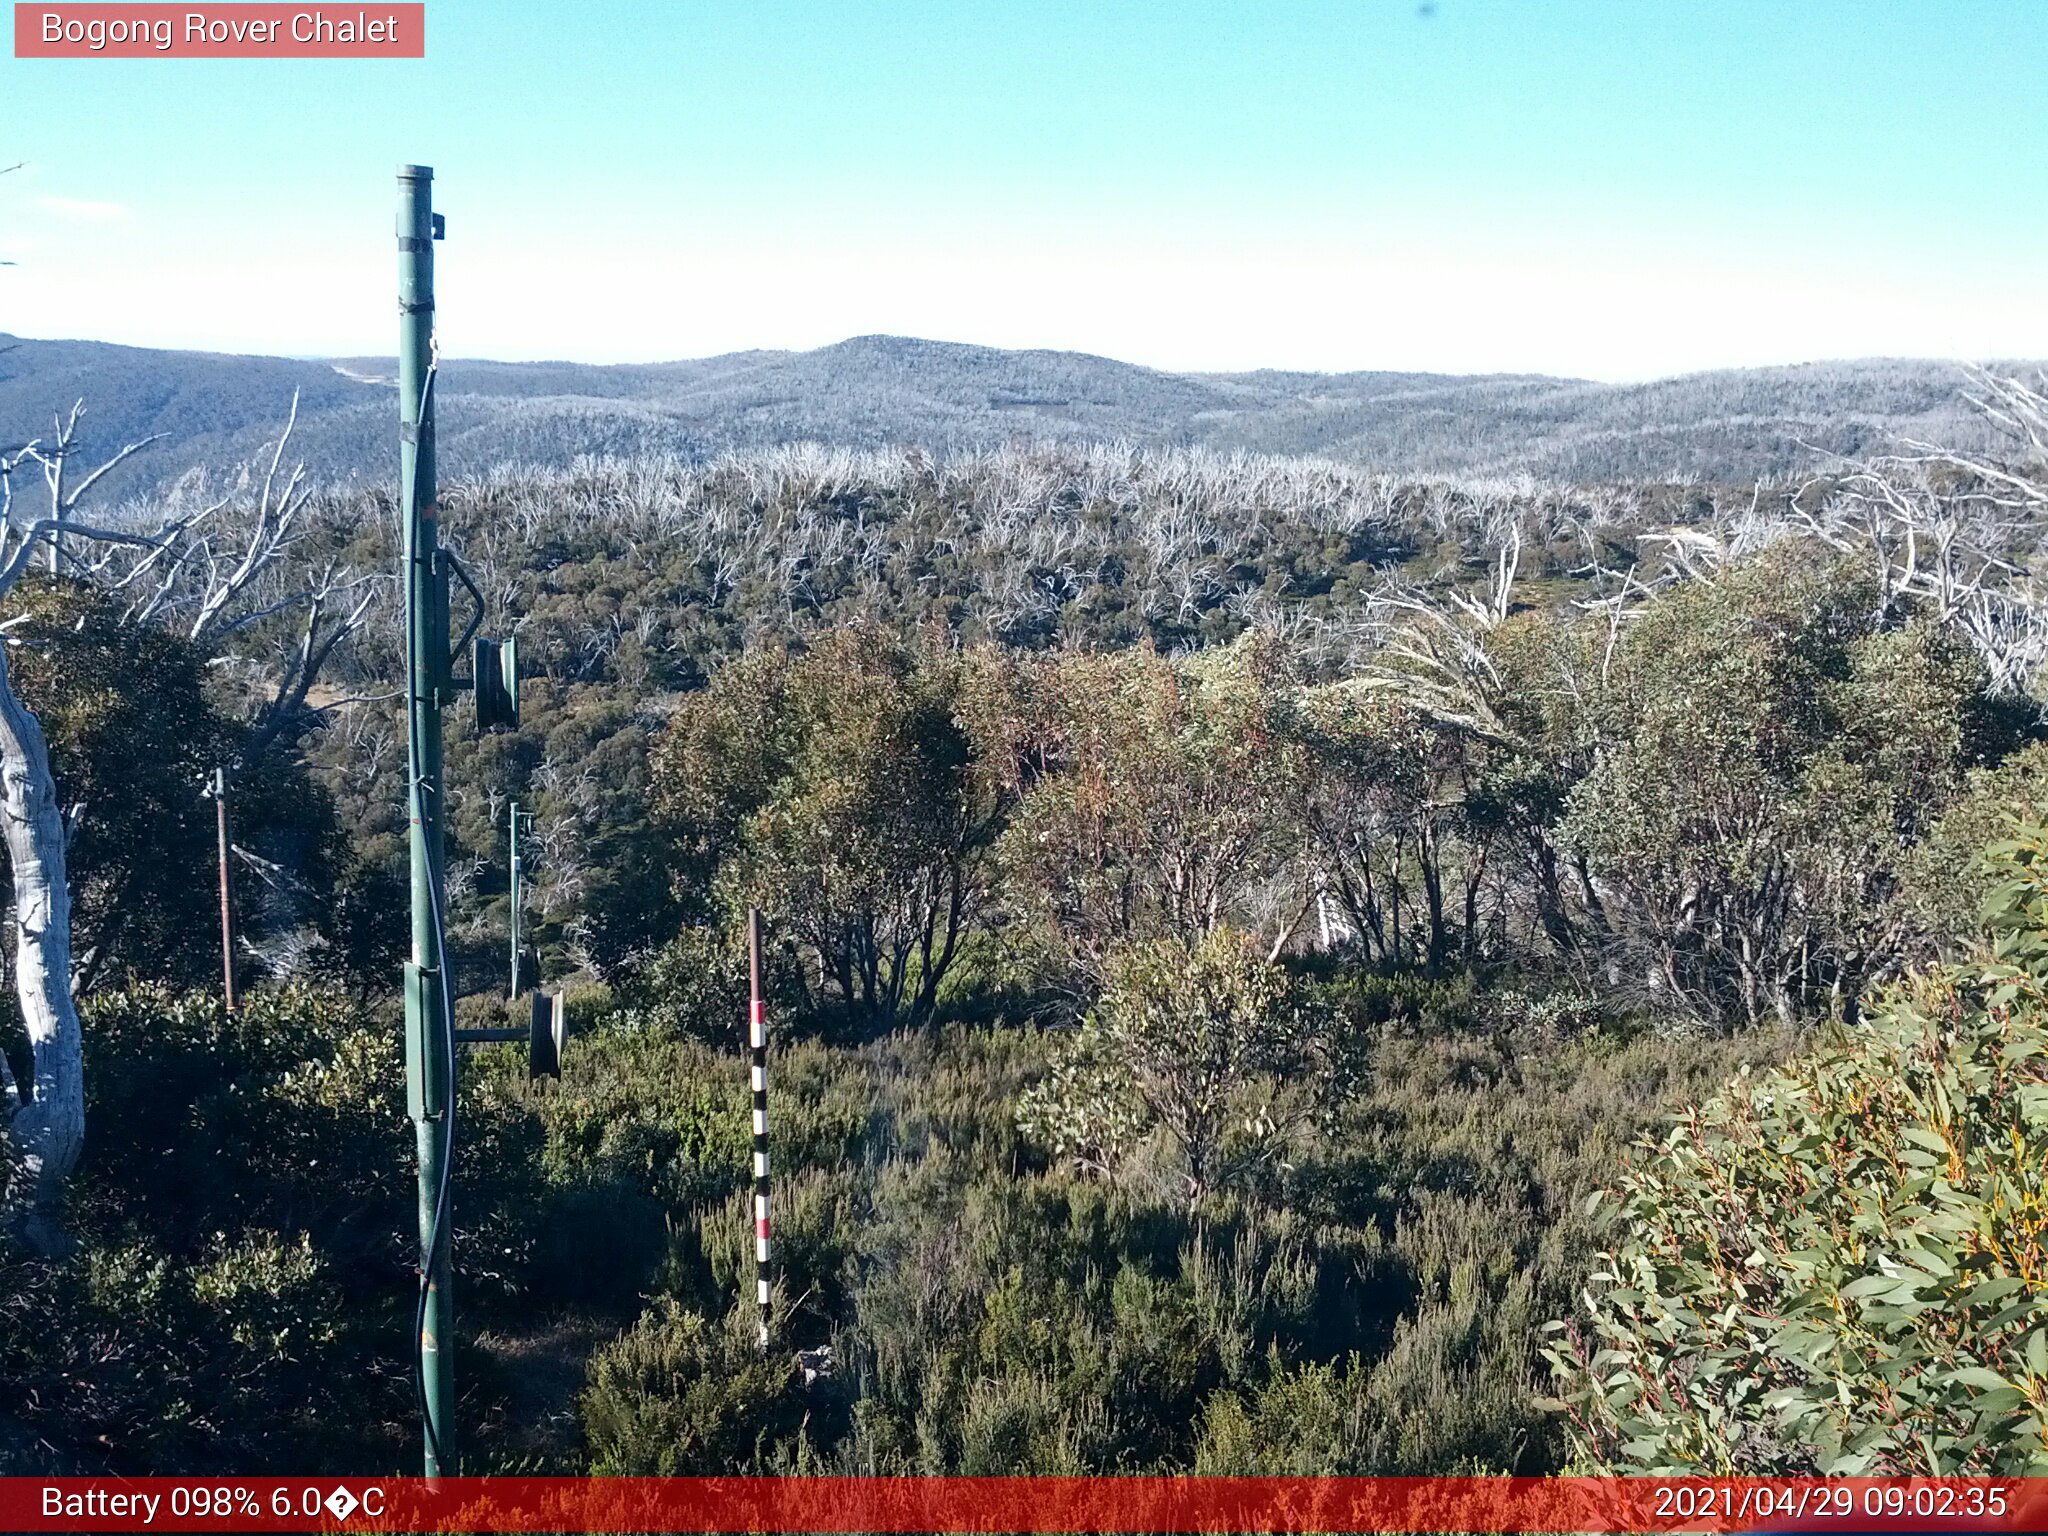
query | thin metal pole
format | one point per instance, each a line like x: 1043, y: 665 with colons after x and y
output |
x: 516, y: 899
x: 227, y: 905
x: 426, y: 612
x: 757, y: 1042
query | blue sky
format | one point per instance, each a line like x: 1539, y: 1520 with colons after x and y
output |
x: 1610, y: 188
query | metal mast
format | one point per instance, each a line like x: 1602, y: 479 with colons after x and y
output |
x: 429, y: 1019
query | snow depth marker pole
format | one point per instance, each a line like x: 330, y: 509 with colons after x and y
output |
x: 757, y: 1041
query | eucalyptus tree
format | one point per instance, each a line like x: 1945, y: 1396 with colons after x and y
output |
x: 45, y: 1116
x: 1833, y: 1267
x: 837, y: 790
x: 1153, y: 799
x: 1771, y: 749
x: 224, y: 572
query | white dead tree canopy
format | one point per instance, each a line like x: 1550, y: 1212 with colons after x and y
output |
x: 1957, y: 532
x: 1954, y: 536
x: 214, y: 571
x: 225, y: 566
x: 1434, y: 654
x: 54, y: 459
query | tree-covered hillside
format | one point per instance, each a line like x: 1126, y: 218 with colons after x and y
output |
x: 882, y: 392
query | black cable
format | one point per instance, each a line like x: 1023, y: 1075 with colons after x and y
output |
x: 437, y: 1236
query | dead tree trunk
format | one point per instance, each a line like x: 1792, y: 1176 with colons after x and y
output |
x: 46, y: 1123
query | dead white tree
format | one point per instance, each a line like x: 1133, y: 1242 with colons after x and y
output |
x: 55, y: 458
x: 1958, y: 532
x: 233, y: 567
x: 1434, y: 653
x: 1949, y: 534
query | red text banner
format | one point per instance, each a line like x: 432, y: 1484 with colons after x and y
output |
x: 1049, y: 1504
x: 233, y: 31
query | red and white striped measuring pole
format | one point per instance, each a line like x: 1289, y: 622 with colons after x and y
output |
x: 757, y: 1042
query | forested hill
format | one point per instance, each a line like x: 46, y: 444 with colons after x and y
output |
x: 880, y: 391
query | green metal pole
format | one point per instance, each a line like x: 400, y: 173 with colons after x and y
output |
x: 428, y: 1050
x: 517, y: 897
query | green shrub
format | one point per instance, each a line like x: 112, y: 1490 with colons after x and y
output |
x: 244, y: 1355
x: 682, y: 1394
x: 661, y: 1115
x: 596, y: 1243
x: 1024, y: 1423
x: 1437, y: 1005
x: 1836, y: 1267
x: 288, y: 1114
x: 1223, y: 1049
x: 695, y: 985
x: 241, y: 1293
x: 1946, y: 879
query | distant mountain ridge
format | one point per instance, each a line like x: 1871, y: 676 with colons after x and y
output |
x: 884, y: 391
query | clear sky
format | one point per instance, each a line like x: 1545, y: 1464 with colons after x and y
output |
x: 1609, y: 188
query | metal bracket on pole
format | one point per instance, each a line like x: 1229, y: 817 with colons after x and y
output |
x: 494, y: 674
x: 548, y: 1035
x: 425, y: 1092
x: 545, y: 1036
x: 476, y: 619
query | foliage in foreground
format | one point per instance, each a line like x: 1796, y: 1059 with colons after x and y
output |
x: 1837, y: 1267
x: 1370, y: 1304
x: 237, y: 1299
